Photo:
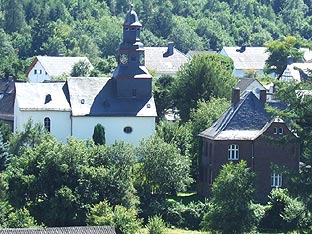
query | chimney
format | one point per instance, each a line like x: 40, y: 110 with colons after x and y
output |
x: 235, y: 95
x: 169, y: 51
x: 263, y: 96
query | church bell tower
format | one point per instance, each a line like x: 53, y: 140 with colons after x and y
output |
x: 132, y: 80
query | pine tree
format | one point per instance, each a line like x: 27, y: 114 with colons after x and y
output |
x: 99, y: 135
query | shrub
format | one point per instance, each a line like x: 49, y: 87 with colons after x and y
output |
x: 156, y: 225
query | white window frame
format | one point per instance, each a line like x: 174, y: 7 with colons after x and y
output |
x: 280, y: 131
x: 275, y: 131
x: 276, y: 180
x: 233, y: 152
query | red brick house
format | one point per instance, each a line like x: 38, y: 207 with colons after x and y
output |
x: 246, y: 131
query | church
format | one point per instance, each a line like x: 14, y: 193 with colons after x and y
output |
x: 122, y: 104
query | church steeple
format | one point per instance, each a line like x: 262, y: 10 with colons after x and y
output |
x: 131, y: 67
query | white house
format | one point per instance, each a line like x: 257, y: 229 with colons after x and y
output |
x: 123, y: 104
x: 44, y: 68
x: 296, y: 72
x: 250, y: 84
x: 246, y: 59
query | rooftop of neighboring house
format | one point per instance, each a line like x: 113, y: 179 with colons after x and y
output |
x: 57, y: 65
x: 244, y: 120
x: 247, y: 58
x: 7, y: 91
x: 244, y: 83
x: 60, y: 230
x: 297, y: 72
x: 164, y: 60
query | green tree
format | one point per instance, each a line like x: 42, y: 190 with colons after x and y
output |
x: 163, y: 169
x: 4, y: 154
x: 14, y: 16
x: 233, y: 191
x: 125, y: 220
x: 99, y: 135
x: 204, y: 77
x: 279, y: 51
x: 156, y: 225
x: 80, y: 69
x: 67, y: 178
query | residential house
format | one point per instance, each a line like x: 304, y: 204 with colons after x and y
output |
x: 61, y: 230
x: 298, y: 72
x: 248, y: 61
x: 246, y: 131
x: 7, y: 94
x: 250, y: 84
x: 45, y: 68
x: 123, y: 104
x: 164, y: 60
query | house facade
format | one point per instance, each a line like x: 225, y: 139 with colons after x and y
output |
x: 122, y: 104
x: 45, y: 68
x: 246, y: 131
x: 297, y: 72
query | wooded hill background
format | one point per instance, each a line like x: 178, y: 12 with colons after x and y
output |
x: 93, y: 27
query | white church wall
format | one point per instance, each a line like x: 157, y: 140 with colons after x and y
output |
x: 142, y: 127
x: 60, y: 122
x: 38, y: 74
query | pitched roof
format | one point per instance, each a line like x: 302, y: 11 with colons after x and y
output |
x: 244, y: 83
x: 92, y: 96
x: 56, y: 65
x: 296, y: 71
x: 155, y: 60
x: 244, y: 120
x: 96, y: 97
x: 61, y: 230
x: 250, y: 58
x: 42, y: 96
x: 7, y: 92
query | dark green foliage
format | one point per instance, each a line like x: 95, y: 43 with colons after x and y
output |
x: 204, y: 77
x: 67, y: 178
x: 4, y: 154
x: 230, y: 208
x: 99, y: 135
x: 284, y: 213
x: 124, y: 220
x: 156, y: 225
x: 163, y: 170
x: 80, y: 69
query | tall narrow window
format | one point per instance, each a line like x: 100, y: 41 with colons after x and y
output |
x: 47, y: 124
x: 233, y: 152
x: 276, y: 180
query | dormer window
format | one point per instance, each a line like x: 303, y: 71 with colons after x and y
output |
x: 48, y: 98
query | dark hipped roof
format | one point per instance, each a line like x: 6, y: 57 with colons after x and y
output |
x: 244, y: 120
x: 61, y: 230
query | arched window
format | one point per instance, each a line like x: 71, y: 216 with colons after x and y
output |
x: 47, y: 124
x: 233, y: 152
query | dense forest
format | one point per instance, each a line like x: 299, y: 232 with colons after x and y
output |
x: 47, y: 183
x: 93, y: 27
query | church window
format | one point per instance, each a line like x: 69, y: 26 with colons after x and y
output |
x: 47, y: 124
x: 127, y: 129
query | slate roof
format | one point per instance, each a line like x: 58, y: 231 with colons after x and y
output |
x: 84, y: 96
x: 34, y: 96
x: 96, y: 97
x: 251, y: 58
x: 61, y: 230
x: 155, y: 60
x: 7, y: 92
x: 242, y: 121
x: 56, y: 65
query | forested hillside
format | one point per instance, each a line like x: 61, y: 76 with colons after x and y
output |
x: 93, y: 27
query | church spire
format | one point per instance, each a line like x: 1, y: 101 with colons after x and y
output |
x: 131, y: 60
